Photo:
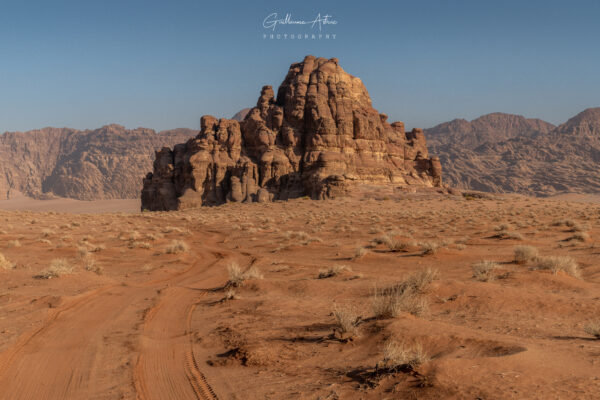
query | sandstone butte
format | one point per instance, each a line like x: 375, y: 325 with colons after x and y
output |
x: 319, y: 137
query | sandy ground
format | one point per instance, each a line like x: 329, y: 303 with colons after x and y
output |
x: 71, y: 206
x: 577, y: 197
x: 146, y: 305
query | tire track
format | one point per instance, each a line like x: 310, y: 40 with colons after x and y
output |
x: 166, y: 368
x: 80, y: 353
x: 196, y: 378
x: 114, y: 342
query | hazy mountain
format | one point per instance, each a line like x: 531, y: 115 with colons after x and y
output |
x: 106, y: 163
x: 509, y: 153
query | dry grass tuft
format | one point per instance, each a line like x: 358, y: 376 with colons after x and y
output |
x: 230, y: 294
x: 509, y: 235
x: 5, y: 264
x: 58, y: 267
x: 13, y: 243
x: 176, y: 247
x: 347, y: 320
x: 525, y: 254
x: 90, y: 264
x: 406, y: 296
x: 393, y: 244
x: 579, y: 237
x: 558, y: 263
x: 360, y: 252
x: 399, y: 356
x: 429, y: 247
x: 484, y: 270
x: 593, y: 328
x: 333, y: 271
x: 237, y: 276
x: 47, y: 232
x: 420, y: 280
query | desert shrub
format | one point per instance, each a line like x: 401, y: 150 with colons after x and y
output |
x: 171, y: 229
x: 484, y: 270
x: 509, y: 235
x: 237, y: 276
x: 558, y: 263
x: 400, y: 356
x: 47, y: 232
x: 176, y: 247
x: 347, y: 321
x: 90, y: 264
x: 502, y: 227
x: 524, y: 254
x: 253, y: 273
x: 576, y: 228
x: 391, y: 243
x: 13, y: 243
x: 419, y: 281
x: 360, y: 252
x: 429, y: 247
x: 390, y: 305
x: 593, y: 328
x: 405, y: 296
x: 579, y: 237
x: 4, y: 263
x: 58, y: 267
x: 332, y: 271
x: 558, y: 222
x: 138, y: 244
x: 230, y: 294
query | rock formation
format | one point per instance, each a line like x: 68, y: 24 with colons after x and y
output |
x: 106, y: 163
x: 317, y: 137
x: 508, y: 153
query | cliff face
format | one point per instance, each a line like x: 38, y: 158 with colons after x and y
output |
x: 524, y: 156
x: 317, y: 137
x: 107, y: 163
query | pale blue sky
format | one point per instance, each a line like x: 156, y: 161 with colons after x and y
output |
x: 163, y: 64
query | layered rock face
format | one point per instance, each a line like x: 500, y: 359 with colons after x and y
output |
x: 317, y: 137
x: 508, y: 153
x: 490, y: 128
x: 106, y: 163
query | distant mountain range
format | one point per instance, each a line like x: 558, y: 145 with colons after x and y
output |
x: 494, y: 153
x: 509, y: 153
x: 106, y: 163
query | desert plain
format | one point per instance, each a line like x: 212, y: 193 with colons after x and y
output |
x: 376, y: 296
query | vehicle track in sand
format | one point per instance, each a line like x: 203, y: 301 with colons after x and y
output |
x: 118, y: 341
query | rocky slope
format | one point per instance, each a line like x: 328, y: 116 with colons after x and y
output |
x: 518, y: 155
x: 319, y: 136
x: 106, y: 163
x: 240, y: 115
x: 489, y: 128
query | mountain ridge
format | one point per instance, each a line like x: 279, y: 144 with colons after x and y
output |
x: 92, y: 164
x: 530, y: 159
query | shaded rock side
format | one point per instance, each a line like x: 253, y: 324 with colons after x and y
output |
x: 318, y: 136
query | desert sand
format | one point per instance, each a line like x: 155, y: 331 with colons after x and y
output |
x: 72, y: 206
x: 381, y: 297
